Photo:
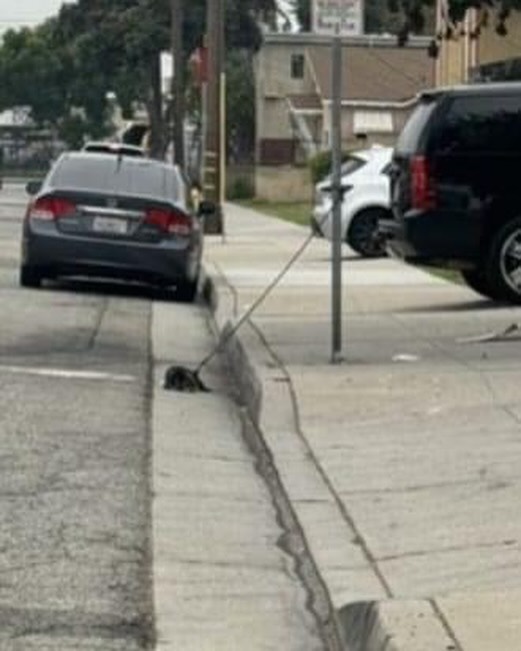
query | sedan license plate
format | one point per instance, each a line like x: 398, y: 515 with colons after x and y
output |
x: 110, y: 225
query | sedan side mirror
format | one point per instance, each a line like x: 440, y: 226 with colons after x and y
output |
x: 33, y: 187
x: 206, y: 208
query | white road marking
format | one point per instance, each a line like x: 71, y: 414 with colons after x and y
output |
x: 68, y: 374
x: 405, y: 357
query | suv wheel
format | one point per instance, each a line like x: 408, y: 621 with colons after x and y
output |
x: 361, y: 235
x: 504, y: 265
x: 30, y: 277
x: 477, y: 280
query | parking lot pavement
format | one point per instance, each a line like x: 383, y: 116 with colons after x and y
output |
x: 403, y: 461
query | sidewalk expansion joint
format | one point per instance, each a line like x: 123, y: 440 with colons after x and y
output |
x: 347, y: 517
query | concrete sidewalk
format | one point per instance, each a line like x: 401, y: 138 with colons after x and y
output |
x: 403, y: 463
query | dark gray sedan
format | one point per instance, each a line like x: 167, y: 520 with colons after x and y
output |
x: 121, y: 217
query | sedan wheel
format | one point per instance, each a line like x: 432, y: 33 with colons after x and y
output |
x: 186, y: 290
x: 30, y: 277
x: 362, y: 234
x: 504, y: 268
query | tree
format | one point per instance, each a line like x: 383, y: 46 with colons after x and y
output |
x: 453, y: 13
x: 240, y: 104
x: 94, y: 47
x: 379, y: 15
x: 302, y: 10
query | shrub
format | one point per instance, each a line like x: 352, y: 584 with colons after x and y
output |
x: 241, y: 188
x: 320, y: 164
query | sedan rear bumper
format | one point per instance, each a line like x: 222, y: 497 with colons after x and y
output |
x: 57, y: 254
x: 432, y: 238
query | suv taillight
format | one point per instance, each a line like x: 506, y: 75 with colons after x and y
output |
x: 423, y: 196
x: 171, y: 221
x: 49, y: 208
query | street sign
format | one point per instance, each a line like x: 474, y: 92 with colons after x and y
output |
x: 346, y: 14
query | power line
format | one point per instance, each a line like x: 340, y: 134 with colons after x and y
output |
x: 415, y: 80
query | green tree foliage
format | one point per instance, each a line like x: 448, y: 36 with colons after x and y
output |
x: 240, y: 103
x: 379, y: 15
x: 32, y: 72
x: 302, y: 10
x: 93, y: 47
x: 404, y: 17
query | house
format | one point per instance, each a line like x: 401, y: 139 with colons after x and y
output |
x: 380, y: 83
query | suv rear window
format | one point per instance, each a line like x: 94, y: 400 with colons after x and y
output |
x: 410, y: 135
x: 491, y: 124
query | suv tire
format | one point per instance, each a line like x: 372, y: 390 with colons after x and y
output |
x: 477, y: 280
x: 361, y: 235
x: 504, y: 263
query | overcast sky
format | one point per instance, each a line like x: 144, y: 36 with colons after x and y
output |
x: 17, y: 13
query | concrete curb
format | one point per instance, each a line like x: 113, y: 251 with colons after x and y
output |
x: 385, y: 625
x: 221, y: 300
x: 221, y: 304
x: 395, y: 625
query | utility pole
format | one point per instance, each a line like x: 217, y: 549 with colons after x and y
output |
x: 178, y: 98
x: 213, y: 155
x: 336, y: 186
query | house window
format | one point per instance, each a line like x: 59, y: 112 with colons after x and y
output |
x: 297, y: 66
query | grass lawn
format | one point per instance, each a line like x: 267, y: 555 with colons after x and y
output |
x: 297, y: 212
x: 447, y: 274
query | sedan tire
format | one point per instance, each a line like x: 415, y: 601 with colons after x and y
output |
x: 30, y: 277
x: 186, y: 290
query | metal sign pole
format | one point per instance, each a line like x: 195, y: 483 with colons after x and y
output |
x: 336, y: 152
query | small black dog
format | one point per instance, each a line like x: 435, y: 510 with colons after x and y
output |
x: 179, y: 378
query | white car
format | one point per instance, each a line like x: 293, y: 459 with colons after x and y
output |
x: 366, y: 200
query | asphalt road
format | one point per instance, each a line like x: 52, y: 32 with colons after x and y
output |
x: 75, y: 461
x: 79, y: 397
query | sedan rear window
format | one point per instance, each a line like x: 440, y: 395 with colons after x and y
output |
x: 349, y: 165
x: 107, y: 173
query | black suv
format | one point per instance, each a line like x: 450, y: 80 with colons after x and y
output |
x: 456, y: 186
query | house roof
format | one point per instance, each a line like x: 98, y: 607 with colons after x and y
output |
x: 381, y: 74
x: 306, y: 102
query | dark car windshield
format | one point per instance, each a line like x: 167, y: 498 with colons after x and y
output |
x: 99, y: 173
x: 409, y: 137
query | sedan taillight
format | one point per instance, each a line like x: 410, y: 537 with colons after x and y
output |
x: 50, y: 208
x: 170, y: 221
